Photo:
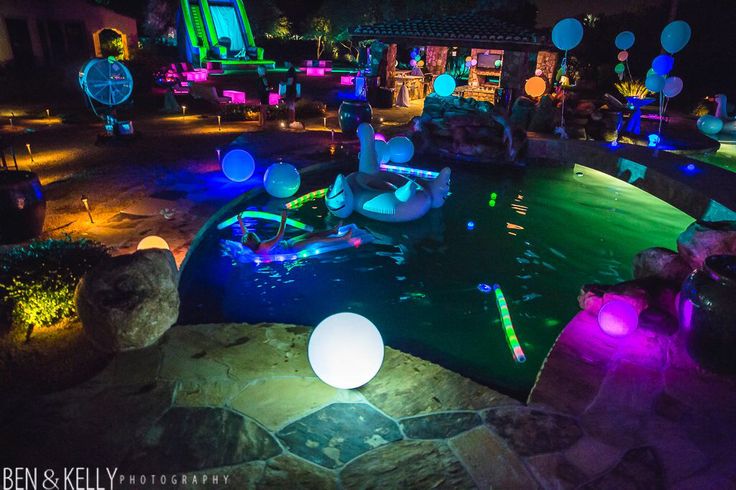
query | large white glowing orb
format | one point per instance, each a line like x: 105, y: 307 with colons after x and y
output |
x: 153, y: 241
x: 345, y: 350
x: 618, y: 318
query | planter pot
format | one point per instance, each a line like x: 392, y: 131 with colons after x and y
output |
x: 707, y: 312
x: 352, y: 113
x: 22, y: 206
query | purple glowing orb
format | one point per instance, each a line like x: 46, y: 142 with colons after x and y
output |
x: 618, y: 318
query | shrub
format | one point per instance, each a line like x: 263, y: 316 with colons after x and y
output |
x: 633, y: 88
x: 37, y: 281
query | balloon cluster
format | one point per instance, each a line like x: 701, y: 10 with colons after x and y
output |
x: 624, y: 41
x: 415, y: 58
x: 470, y: 61
x: 674, y: 38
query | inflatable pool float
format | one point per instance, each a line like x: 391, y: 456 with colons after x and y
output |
x: 242, y: 254
x: 384, y: 196
x: 729, y: 123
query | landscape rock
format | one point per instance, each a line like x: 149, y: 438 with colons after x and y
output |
x: 531, y: 432
x: 705, y: 238
x: 661, y: 263
x: 439, y: 425
x: 129, y: 301
x: 639, y: 468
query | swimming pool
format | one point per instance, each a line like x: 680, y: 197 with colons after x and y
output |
x: 547, y: 231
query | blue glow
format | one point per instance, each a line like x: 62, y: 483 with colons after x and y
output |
x: 485, y: 288
x: 691, y: 169
x: 444, y: 85
x: 653, y: 140
x: 414, y: 172
x: 471, y: 225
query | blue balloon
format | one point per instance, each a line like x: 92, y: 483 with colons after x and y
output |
x: 710, y: 124
x: 663, y: 64
x: 624, y: 40
x: 238, y: 165
x: 567, y: 33
x: 281, y: 180
x: 444, y: 85
x: 655, y: 83
x: 675, y: 36
x: 401, y: 149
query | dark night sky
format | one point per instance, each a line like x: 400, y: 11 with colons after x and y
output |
x: 552, y: 10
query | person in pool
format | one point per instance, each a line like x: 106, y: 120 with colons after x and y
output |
x: 296, y: 244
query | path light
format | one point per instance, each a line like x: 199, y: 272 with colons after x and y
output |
x: 48, y: 112
x: 152, y: 242
x: 324, y: 121
x: 11, y: 122
x: 183, y: 112
x: 282, y: 124
x: 345, y: 350
x: 217, y: 150
x: 28, y: 147
x: 85, y: 201
x: 219, y: 123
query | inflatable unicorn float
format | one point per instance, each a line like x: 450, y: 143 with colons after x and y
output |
x: 384, y: 196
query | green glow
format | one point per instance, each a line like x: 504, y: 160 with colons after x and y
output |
x: 264, y: 215
x: 508, y: 327
x: 301, y: 201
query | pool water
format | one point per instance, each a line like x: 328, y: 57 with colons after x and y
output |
x: 547, y: 232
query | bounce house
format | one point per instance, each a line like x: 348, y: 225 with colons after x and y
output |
x: 217, y: 31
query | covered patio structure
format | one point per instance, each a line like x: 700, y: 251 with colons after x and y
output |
x: 502, y: 55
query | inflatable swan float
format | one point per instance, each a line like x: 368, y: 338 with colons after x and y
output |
x: 729, y: 123
x: 384, y: 196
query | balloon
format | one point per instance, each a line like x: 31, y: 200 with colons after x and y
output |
x: 412, y: 62
x: 672, y: 87
x: 654, y: 82
x: 418, y: 57
x: 382, y: 152
x: 623, y: 55
x: 675, y: 36
x: 420, y: 63
x: 663, y: 64
x: 624, y: 40
x: 467, y: 63
x: 710, y: 124
x: 619, y: 68
x: 401, y: 149
x: 535, y: 86
x: 444, y: 85
x: 651, y: 72
x: 468, y: 58
x: 567, y: 34
x: 281, y: 180
x: 473, y: 62
x: 497, y: 63
x: 538, y: 72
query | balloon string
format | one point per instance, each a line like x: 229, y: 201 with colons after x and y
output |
x: 629, y: 70
x: 564, y: 73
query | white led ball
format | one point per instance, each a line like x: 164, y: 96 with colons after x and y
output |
x: 618, y: 318
x: 345, y: 350
x: 281, y: 180
x: 238, y: 165
x: 153, y: 241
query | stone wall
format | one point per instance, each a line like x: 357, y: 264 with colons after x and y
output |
x: 436, y: 59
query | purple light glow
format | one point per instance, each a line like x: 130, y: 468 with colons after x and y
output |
x: 313, y: 71
x: 274, y: 98
x: 235, y: 96
x: 347, y: 79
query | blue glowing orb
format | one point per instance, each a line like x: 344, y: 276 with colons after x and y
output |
x: 444, y: 85
x: 238, y: 165
x: 471, y: 225
x: 653, y: 140
x: 485, y: 288
x: 281, y: 180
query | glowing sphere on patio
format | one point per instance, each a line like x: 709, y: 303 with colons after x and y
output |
x: 618, y: 318
x: 401, y: 149
x: 238, y: 165
x: 535, y: 86
x: 710, y: 124
x: 444, y: 85
x: 281, y: 180
x: 345, y: 350
x: 152, y: 241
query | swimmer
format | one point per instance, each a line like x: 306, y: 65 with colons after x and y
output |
x: 296, y: 244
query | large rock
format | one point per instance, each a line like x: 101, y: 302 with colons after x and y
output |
x: 129, y: 301
x: 661, y: 263
x: 705, y: 238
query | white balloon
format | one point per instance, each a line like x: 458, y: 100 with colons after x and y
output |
x: 672, y: 87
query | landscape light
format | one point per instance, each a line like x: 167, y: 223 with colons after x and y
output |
x: 85, y: 202
x: 152, y: 242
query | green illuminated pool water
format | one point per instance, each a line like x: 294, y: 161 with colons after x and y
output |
x: 548, y: 233
x: 725, y: 157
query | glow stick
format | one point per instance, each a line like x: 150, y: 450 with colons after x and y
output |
x: 301, y: 201
x: 264, y: 215
x: 508, y: 327
x: 414, y: 172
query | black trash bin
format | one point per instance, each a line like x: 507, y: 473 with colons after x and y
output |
x: 22, y: 206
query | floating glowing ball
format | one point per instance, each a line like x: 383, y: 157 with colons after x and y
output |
x: 383, y: 154
x: 654, y: 82
x: 444, y: 85
x: 672, y: 87
x: 345, y: 350
x: 623, y: 55
x: 663, y: 64
x: 618, y: 318
x: 710, y: 124
x: 675, y: 36
x: 567, y: 33
x: 281, y: 180
x: 535, y: 86
x: 238, y: 165
x: 624, y: 40
x: 401, y: 149
x: 152, y: 241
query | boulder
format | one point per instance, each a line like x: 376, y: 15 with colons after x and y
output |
x: 661, y: 263
x: 704, y: 238
x: 129, y: 301
x: 593, y: 296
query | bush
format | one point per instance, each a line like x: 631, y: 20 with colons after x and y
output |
x: 37, y: 281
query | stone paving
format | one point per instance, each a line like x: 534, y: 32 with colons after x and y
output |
x: 242, y: 401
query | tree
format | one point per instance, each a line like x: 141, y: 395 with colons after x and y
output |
x: 320, y: 30
x: 159, y: 17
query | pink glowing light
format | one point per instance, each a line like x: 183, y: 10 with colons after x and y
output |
x: 347, y: 79
x: 313, y: 71
x: 198, y: 75
x: 618, y: 318
x: 274, y: 98
x: 235, y: 96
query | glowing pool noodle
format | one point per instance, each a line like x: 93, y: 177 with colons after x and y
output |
x: 414, y: 172
x: 301, y: 201
x: 264, y: 215
x: 508, y: 327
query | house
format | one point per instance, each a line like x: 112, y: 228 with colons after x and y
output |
x: 46, y: 32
